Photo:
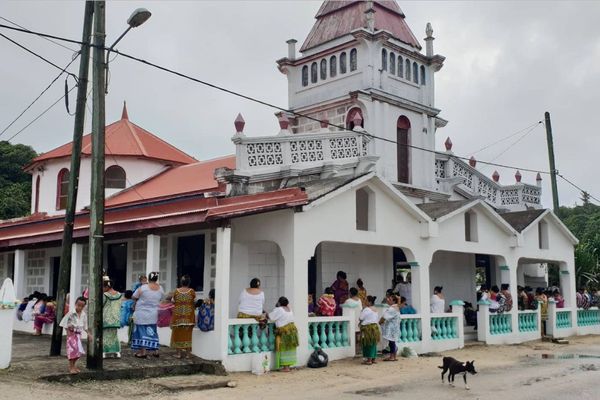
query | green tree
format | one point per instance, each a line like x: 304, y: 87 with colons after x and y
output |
x: 15, y: 184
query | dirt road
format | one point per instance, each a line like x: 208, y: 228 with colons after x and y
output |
x: 523, y: 371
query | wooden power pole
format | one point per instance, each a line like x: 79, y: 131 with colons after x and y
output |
x: 64, y: 274
x: 94, y: 355
x: 553, y: 171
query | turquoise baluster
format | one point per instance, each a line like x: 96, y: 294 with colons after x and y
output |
x: 504, y: 323
x: 492, y: 325
x: 404, y: 330
x: 338, y: 334
x: 246, y: 339
x: 254, y: 340
x: 417, y: 329
x: 237, y: 342
x: 345, y: 339
x: 323, y: 335
x: 455, y: 327
x: 442, y: 323
x: 264, y: 343
x: 310, y: 338
x: 271, y: 337
x: 434, y: 329
x: 315, y: 337
x: 409, y: 330
x: 330, y: 334
x: 229, y: 341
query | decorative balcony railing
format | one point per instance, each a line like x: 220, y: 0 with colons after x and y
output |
x: 563, y: 319
x: 328, y: 332
x: 500, y: 324
x: 528, y: 321
x: 589, y: 317
x: 410, y: 328
x: 500, y: 196
x: 245, y: 336
x: 299, y: 150
x: 443, y: 328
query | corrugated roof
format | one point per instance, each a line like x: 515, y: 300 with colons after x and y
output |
x: 124, y: 138
x: 439, y: 209
x: 152, y: 215
x: 185, y: 179
x: 338, y: 18
x: 522, y: 219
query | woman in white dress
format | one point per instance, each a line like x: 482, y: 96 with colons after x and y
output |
x: 438, y: 304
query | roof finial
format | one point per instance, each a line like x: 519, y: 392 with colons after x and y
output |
x: 124, y: 114
x: 429, y: 40
x: 448, y: 144
x: 239, y: 124
x: 496, y: 176
x: 370, y: 17
x: 472, y: 162
x: 518, y: 176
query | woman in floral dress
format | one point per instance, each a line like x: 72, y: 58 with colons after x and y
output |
x: 184, y: 319
x: 111, y: 321
x: 391, y: 325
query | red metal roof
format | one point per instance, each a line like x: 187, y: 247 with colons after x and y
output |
x: 154, y: 215
x: 185, y: 179
x: 340, y: 17
x: 124, y: 138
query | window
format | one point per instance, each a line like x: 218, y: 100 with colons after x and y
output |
x: 402, y: 149
x: 62, y: 190
x: 36, y: 207
x: 114, y: 177
x: 350, y: 118
x: 365, y: 209
x: 392, y: 64
x: 353, y: 60
x: 543, y: 235
x: 333, y: 66
x: 415, y: 73
x: 305, y: 75
x: 323, y: 69
x: 384, y: 60
x: 407, y: 69
x: 470, y: 226
x: 343, y: 63
x: 422, y: 75
x: 313, y: 73
x: 400, y: 67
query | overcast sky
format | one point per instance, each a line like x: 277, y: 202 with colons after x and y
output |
x: 506, y: 63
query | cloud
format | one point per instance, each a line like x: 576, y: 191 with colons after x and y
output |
x: 507, y: 63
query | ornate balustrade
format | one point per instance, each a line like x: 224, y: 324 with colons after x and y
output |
x: 245, y: 336
x: 328, y: 332
x: 500, y: 324
x: 410, y: 328
x: 563, y: 319
x: 589, y: 317
x: 499, y: 196
x: 443, y: 328
x: 298, y: 150
x: 528, y: 321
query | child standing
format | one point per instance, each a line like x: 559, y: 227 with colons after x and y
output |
x: 75, y: 322
x: 369, y: 331
x: 391, y: 325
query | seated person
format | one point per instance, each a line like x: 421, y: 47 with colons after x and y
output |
x: 326, y: 303
x: 47, y: 317
x: 405, y: 308
x: 206, y: 313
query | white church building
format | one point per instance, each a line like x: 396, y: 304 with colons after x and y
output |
x: 351, y: 182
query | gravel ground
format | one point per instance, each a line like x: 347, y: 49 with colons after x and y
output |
x: 535, y: 370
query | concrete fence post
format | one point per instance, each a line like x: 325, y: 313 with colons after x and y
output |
x: 8, y: 301
x: 483, y: 321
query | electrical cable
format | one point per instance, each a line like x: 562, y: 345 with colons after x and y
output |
x: 45, y: 38
x: 505, y: 138
x: 262, y: 102
x: 577, y: 187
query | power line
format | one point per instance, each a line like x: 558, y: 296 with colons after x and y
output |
x: 39, y: 96
x: 577, y: 187
x: 45, y: 38
x: 262, y: 102
x: 506, y: 138
x: 41, y: 114
x: 34, y: 53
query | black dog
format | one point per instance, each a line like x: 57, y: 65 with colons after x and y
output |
x: 453, y: 366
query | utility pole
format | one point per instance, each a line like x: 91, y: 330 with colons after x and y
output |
x: 64, y: 274
x: 94, y: 355
x: 553, y: 171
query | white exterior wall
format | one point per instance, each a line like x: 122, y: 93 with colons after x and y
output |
x: 456, y: 273
x: 136, y: 171
x: 373, y: 264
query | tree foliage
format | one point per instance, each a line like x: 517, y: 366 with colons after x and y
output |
x: 15, y: 185
x: 584, y: 222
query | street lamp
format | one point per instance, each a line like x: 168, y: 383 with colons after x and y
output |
x: 137, y: 18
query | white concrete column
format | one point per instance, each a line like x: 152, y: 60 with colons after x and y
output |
x: 513, y: 282
x: 419, y: 272
x: 20, y: 274
x: 153, y: 255
x: 551, y: 322
x: 296, y: 290
x: 223, y: 268
x: 483, y: 321
x: 458, y: 308
x: 567, y: 285
x: 76, y: 266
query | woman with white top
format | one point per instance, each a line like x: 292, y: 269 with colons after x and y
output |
x: 438, y: 304
x: 369, y: 331
x: 286, y: 335
x: 252, y: 301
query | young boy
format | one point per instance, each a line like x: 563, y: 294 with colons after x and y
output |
x: 75, y: 322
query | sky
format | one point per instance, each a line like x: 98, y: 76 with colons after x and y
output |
x: 507, y: 63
